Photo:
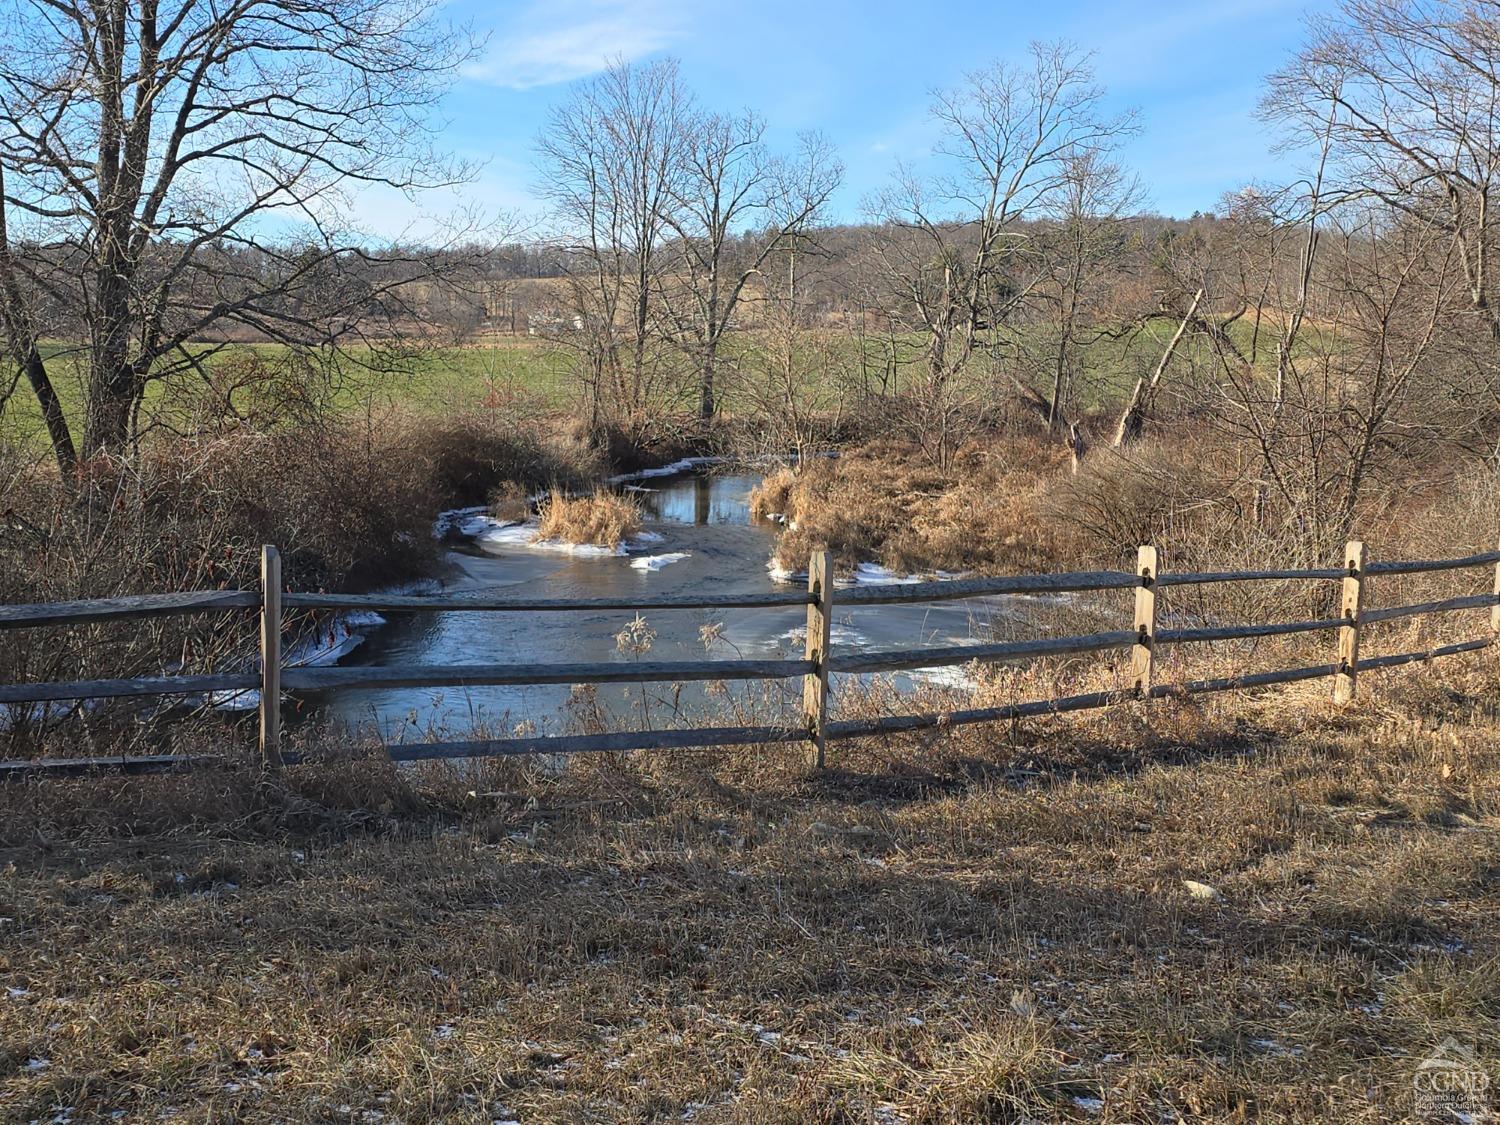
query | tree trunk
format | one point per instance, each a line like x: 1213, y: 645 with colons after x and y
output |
x: 52, y: 413
x: 1078, y: 445
x: 1057, y: 390
x: 1060, y: 376
x: 707, y: 406
x: 113, y: 380
x: 1133, y: 419
x: 29, y: 357
x: 21, y: 338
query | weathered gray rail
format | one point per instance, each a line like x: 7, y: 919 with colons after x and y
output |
x: 1142, y: 639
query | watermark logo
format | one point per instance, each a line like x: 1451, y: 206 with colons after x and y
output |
x: 1451, y: 1085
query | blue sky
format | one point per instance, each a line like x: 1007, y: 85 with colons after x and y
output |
x: 861, y: 73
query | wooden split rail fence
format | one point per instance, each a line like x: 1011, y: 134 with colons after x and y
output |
x: 1143, y: 639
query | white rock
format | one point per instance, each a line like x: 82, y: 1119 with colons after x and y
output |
x: 1202, y: 890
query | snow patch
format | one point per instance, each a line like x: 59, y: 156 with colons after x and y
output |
x: 872, y: 574
x: 947, y: 675
x: 687, y: 464
x: 493, y: 535
x: 841, y: 635
x: 326, y: 647
x: 453, y: 520
x: 505, y: 535
x: 245, y: 700
x: 865, y: 574
x: 780, y: 573
x: 40, y: 713
x: 656, y: 562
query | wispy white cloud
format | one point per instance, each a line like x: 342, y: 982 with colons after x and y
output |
x: 550, y: 42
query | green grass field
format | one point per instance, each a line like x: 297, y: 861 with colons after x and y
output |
x: 439, y: 380
x: 453, y: 378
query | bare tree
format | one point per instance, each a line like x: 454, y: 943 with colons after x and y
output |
x: 1404, y: 98
x: 1333, y: 421
x: 798, y: 375
x: 957, y: 260
x: 1087, y: 237
x: 151, y: 155
x: 611, y: 166
x: 734, y: 194
x: 1138, y: 407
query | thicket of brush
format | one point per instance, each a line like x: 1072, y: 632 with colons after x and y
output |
x: 885, y: 503
x: 349, y: 501
x: 1011, y: 503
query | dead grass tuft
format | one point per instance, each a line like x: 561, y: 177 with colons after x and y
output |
x: 510, y: 501
x: 1003, y: 1068
x: 772, y: 496
x: 603, y: 518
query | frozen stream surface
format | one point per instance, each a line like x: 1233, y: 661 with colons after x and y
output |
x: 700, y: 539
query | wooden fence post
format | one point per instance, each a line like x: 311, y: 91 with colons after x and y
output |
x: 270, y: 656
x: 819, y: 627
x: 1145, y: 622
x: 1345, y: 681
x: 1495, y: 611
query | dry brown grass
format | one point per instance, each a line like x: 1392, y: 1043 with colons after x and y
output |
x: 510, y: 501
x: 603, y: 518
x: 984, y: 924
x: 884, y: 503
x: 773, y: 495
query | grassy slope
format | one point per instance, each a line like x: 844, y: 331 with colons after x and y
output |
x: 994, y: 926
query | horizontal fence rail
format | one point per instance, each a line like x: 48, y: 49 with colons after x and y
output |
x: 1478, y: 601
x: 63, y: 691
x: 420, y: 603
x: 614, y: 741
x: 936, y: 657
x: 490, y: 675
x: 1202, y: 578
x: 121, y: 609
x: 1416, y: 566
x: 1244, y: 632
x: 819, y: 600
x: 951, y: 589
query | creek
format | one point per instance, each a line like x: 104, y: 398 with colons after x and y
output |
x: 701, y: 539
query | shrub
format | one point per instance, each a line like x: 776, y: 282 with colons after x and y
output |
x: 629, y: 446
x: 468, y: 455
x: 509, y: 501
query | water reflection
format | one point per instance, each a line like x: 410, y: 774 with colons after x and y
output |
x: 700, y: 499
